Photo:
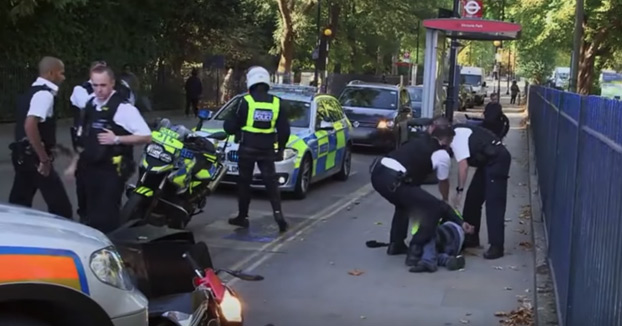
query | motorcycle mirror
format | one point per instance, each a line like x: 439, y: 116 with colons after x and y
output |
x: 219, y: 135
x: 205, y: 114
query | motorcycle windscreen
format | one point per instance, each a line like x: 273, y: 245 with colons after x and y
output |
x: 154, y: 257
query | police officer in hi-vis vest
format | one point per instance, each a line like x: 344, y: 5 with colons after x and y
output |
x: 258, y: 123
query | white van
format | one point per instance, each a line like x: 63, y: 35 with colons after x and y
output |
x: 561, y: 77
x: 474, y: 76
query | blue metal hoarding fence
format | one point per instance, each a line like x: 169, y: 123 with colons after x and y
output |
x: 578, y: 148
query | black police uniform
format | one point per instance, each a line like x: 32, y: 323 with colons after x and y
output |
x: 78, y: 121
x: 258, y: 148
x: 404, y: 191
x: 25, y: 162
x: 489, y: 184
x: 106, y: 168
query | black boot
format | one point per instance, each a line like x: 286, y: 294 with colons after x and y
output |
x: 422, y: 267
x: 494, y: 252
x: 280, y: 220
x: 470, y: 241
x: 414, y: 255
x: 239, y: 221
x: 397, y: 248
x: 455, y: 263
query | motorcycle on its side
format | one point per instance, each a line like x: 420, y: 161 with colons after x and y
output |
x: 178, y: 170
x: 213, y: 303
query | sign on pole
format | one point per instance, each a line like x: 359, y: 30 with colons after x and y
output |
x: 472, y: 8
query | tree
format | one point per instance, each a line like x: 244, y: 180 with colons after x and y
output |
x: 293, y: 16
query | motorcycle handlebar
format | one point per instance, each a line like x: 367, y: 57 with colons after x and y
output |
x: 197, y: 269
x: 241, y: 275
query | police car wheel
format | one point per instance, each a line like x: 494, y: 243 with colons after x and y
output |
x: 304, y: 178
x: 346, y: 165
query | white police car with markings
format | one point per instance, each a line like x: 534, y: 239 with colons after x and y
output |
x: 319, y: 146
x: 59, y: 272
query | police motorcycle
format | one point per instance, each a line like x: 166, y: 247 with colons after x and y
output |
x: 178, y: 171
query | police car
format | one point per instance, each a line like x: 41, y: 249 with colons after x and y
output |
x: 59, y: 272
x: 319, y: 146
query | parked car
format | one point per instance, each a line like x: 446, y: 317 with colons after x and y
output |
x: 320, y: 145
x: 467, y: 99
x: 416, y: 99
x: 379, y: 113
x: 60, y: 272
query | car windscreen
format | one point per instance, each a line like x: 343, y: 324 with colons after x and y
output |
x: 372, y: 98
x: 298, y: 112
x: 416, y: 94
x: 474, y: 80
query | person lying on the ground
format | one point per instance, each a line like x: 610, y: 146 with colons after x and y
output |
x: 446, y: 245
x: 444, y: 248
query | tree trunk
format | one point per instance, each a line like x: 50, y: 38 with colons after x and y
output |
x: 287, y: 36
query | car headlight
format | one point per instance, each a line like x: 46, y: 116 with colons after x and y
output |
x: 384, y: 124
x: 289, y: 153
x: 108, y: 267
x: 231, y: 307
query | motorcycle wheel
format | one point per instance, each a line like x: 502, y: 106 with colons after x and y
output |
x: 134, y: 208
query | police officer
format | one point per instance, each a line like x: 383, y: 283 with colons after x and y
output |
x: 111, y: 127
x: 260, y: 121
x: 35, y: 137
x: 80, y: 96
x: 398, y: 178
x: 478, y: 147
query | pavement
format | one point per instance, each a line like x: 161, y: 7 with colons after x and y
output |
x: 325, y: 275
x: 321, y: 273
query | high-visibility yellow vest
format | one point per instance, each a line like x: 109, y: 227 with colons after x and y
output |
x: 261, y: 116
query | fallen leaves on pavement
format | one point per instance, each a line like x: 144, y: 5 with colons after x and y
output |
x: 356, y: 272
x: 522, y: 316
x: 526, y: 245
x: 525, y: 212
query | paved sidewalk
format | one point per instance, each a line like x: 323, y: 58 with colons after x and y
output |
x: 326, y: 275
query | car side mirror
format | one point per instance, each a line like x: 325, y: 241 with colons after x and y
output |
x: 484, y: 84
x: 325, y: 125
x: 473, y: 92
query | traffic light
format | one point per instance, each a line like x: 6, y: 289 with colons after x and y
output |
x: 327, y: 35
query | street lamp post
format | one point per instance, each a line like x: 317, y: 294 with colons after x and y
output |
x: 508, y: 72
x: 498, y: 45
x: 319, y: 37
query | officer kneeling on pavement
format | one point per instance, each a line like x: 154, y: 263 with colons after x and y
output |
x: 259, y: 122
x: 398, y: 178
x: 111, y: 127
x: 480, y: 148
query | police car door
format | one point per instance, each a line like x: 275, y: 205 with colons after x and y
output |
x: 323, y: 131
x: 336, y: 139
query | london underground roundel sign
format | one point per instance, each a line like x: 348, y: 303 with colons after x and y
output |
x: 472, y: 9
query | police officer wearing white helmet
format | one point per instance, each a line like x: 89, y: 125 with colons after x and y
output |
x: 259, y: 122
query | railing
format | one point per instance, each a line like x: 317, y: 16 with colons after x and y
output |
x: 578, y: 144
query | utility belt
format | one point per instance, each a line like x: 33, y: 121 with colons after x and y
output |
x: 122, y: 163
x: 391, y: 167
x: 23, y: 153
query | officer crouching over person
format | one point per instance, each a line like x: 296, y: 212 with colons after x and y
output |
x: 259, y: 122
x: 398, y: 178
x: 110, y: 129
x: 480, y: 148
x: 35, y: 140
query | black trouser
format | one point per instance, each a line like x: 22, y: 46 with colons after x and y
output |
x: 513, y: 98
x: 28, y: 180
x: 490, y: 185
x: 81, y: 191
x: 104, y: 190
x: 409, y: 201
x: 194, y: 102
x: 246, y: 165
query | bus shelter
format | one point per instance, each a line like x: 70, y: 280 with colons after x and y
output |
x: 461, y: 29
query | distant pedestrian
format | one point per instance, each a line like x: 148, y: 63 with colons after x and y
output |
x: 194, y: 88
x: 514, y: 90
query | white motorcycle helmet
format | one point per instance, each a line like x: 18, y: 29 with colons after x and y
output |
x: 257, y: 75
